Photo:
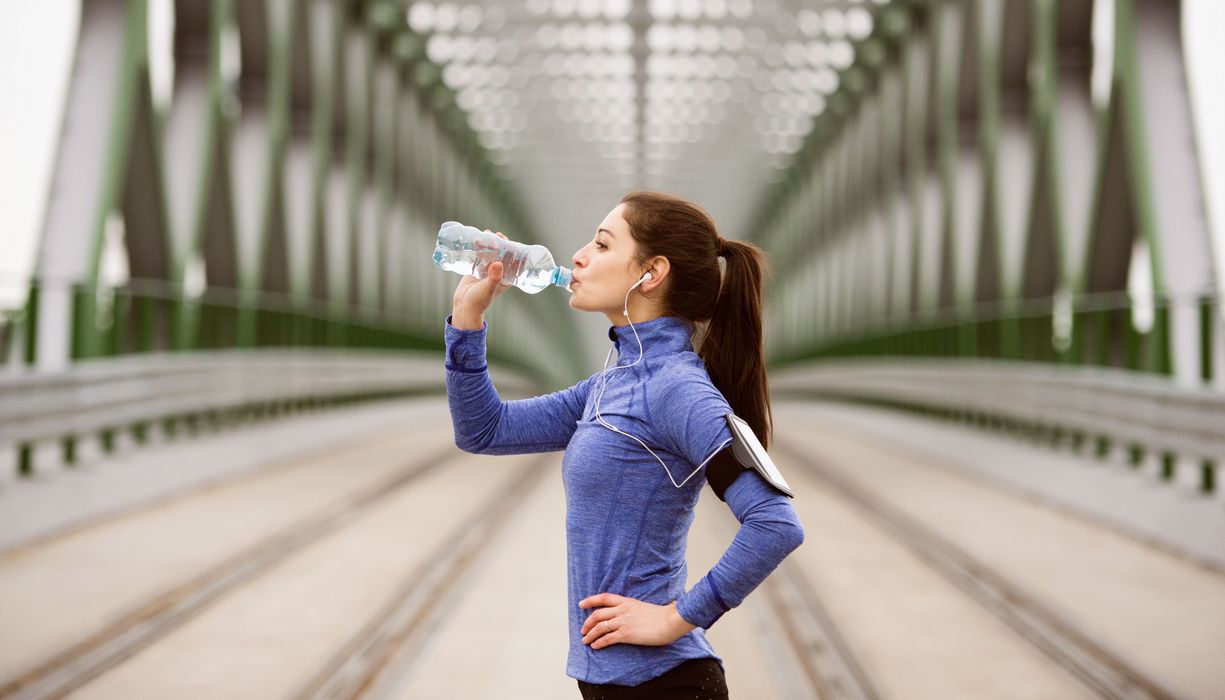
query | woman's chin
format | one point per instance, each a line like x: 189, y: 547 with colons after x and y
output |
x: 576, y: 301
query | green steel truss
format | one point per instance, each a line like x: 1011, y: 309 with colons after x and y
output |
x: 288, y: 194
x: 966, y: 195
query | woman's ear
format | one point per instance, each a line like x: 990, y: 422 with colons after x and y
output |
x: 659, y: 268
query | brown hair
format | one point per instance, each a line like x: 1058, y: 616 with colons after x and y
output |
x: 682, y: 232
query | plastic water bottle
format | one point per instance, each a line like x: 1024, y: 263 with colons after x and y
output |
x: 467, y: 250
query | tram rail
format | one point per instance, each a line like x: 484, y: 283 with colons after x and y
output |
x: 386, y: 646
x: 374, y: 659
x: 145, y: 623
x: 1105, y: 671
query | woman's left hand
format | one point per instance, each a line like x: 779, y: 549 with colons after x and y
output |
x: 626, y: 620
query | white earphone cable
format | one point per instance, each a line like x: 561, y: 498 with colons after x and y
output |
x: 604, y: 384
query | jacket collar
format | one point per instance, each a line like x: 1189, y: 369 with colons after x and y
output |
x: 659, y: 336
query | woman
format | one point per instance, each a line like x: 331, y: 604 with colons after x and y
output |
x: 639, y: 438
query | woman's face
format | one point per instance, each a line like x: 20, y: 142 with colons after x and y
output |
x: 606, y: 267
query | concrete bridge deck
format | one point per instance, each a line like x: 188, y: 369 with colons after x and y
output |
x: 358, y: 553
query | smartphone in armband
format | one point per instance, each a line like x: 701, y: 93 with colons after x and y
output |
x: 750, y: 453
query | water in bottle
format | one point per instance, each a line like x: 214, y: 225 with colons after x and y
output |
x: 468, y: 250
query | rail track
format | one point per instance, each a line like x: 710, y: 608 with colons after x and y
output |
x: 144, y: 624
x: 384, y: 648
x: 379, y: 655
x: 1105, y: 671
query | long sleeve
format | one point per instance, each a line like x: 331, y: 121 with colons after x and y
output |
x: 692, y: 422
x: 769, y: 531
x: 484, y: 424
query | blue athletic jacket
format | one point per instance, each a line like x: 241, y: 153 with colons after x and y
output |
x: 626, y: 523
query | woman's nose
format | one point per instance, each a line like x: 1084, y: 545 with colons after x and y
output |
x: 578, y: 259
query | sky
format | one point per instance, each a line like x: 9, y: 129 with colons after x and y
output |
x: 36, y: 46
x: 36, y: 50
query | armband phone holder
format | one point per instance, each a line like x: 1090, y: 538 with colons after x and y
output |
x: 749, y: 451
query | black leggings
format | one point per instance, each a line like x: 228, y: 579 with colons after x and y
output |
x: 695, y: 678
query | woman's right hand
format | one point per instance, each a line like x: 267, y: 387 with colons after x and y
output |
x: 473, y: 297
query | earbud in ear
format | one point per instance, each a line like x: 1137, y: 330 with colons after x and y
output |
x: 646, y: 277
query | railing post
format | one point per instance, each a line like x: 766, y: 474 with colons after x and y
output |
x: 149, y: 305
x: 967, y: 345
x: 30, y: 323
x: 1009, y: 336
x: 121, y: 302
x: 1101, y: 337
x: 1133, y: 344
x: 84, y: 323
x: 68, y: 447
x: 1207, y: 316
x: 25, y: 459
x: 1162, y: 339
x: 245, y: 321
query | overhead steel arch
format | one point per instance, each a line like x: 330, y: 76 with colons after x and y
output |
x: 1029, y: 223
x: 287, y: 194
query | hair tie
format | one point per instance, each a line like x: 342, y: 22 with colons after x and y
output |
x: 722, y: 250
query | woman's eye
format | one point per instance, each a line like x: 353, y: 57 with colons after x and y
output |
x: 600, y: 245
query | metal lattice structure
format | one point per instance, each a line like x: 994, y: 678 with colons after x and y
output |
x: 287, y: 194
x: 985, y: 186
x: 936, y: 179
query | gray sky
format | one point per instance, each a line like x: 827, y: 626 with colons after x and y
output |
x: 36, y: 40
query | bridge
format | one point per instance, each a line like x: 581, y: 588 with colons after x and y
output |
x: 994, y: 331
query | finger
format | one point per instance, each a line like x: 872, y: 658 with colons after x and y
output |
x: 614, y: 637
x: 595, y: 618
x: 493, y: 278
x: 604, y: 627
x: 603, y: 600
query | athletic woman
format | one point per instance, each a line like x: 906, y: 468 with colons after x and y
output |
x: 641, y: 438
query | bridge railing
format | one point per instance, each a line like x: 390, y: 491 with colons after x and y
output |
x: 144, y: 354
x: 1093, y: 371
x: 138, y: 392
x: 152, y: 315
x: 1113, y: 329
x: 1085, y: 407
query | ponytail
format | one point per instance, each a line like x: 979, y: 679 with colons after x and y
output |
x: 732, y: 346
